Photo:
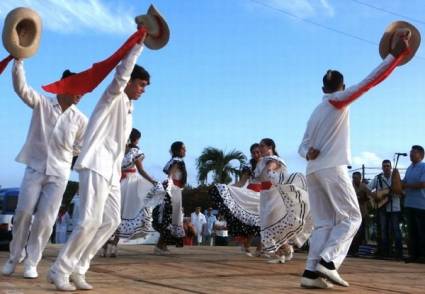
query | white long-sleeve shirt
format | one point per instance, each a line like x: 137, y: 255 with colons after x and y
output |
x: 110, y: 125
x: 198, y: 220
x: 54, y: 136
x: 328, y: 128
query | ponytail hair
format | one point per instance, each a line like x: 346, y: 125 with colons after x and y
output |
x: 134, y: 135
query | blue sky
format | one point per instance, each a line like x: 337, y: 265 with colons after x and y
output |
x: 233, y: 73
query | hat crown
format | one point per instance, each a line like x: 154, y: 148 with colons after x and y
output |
x: 26, y: 32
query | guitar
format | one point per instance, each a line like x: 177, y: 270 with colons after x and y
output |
x: 382, y: 197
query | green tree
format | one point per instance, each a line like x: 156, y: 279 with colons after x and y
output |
x: 221, y: 164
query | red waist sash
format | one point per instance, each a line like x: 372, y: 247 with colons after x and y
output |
x: 127, y: 171
x: 257, y: 187
x: 178, y: 183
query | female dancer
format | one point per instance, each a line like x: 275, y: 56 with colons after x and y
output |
x: 240, y: 204
x: 284, y: 206
x: 136, y: 184
x: 168, y: 216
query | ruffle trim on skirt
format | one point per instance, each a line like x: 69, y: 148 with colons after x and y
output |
x: 239, y: 220
x: 287, y: 218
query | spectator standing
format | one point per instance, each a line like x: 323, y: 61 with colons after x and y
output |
x: 221, y: 233
x: 388, y: 212
x: 74, y: 210
x: 363, y: 196
x: 414, y: 188
x: 198, y: 221
x: 61, y: 226
x: 189, y: 231
x: 209, y: 227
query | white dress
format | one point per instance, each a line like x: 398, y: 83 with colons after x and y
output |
x: 168, y: 216
x: 284, y: 207
x: 138, y: 197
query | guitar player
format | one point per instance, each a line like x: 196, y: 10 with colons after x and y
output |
x: 388, y: 212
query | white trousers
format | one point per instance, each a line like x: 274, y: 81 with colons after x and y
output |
x: 99, y: 218
x: 40, y: 195
x: 336, y: 215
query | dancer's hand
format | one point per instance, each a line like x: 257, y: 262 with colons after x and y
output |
x: 139, y: 26
x: 401, y: 46
x: 312, y: 153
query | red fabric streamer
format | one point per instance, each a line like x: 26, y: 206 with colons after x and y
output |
x: 4, y: 63
x: 86, y: 81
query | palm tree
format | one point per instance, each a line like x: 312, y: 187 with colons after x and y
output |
x: 216, y: 161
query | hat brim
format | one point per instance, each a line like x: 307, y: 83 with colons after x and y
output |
x: 414, y: 41
x: 24, y: 46
x: 160, y: 39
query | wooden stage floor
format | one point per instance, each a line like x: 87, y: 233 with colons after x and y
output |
x: 217, y: 270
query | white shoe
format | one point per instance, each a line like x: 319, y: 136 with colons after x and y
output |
x: 158, y: 251
x: 247, y: 253
x: 318, y: 283
x: 331, y: 275
x: 61, y: 282
x: 30, y: 272
x: 277, y: 260
x: 80, y: 282
x: 103, y: 253
x: 290, y: 255
x: 114, y: 250
x: 108, y: 250
x: 9, y: 268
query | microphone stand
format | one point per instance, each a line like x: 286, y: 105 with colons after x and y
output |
x: 397, y: 155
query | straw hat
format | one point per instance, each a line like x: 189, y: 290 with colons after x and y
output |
x: 158, y: 31
x: 392, y: 34
x: 22, y: 32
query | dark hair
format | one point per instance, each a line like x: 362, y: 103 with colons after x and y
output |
x: 175, y: 152
x: 134, y: 135
x: 332, y: 80
x: 67, y: 73
x: 252, y: 160
x: 140, y: 73
x: 418, y: 148
x: 270, y: 143
x: 357, y: 174
x: 386, y: 161
x: 175, y: 148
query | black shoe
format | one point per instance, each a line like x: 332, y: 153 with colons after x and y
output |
x: 411, y: 259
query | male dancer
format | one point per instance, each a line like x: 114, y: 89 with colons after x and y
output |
x: 333, y: 201
x: 54, y: 137
x: 99, y: 167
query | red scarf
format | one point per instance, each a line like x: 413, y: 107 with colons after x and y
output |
x: 86, y: 81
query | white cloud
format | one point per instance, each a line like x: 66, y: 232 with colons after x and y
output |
x: 369, y: 159
x: 303, y: 8
x: 76, y: 16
